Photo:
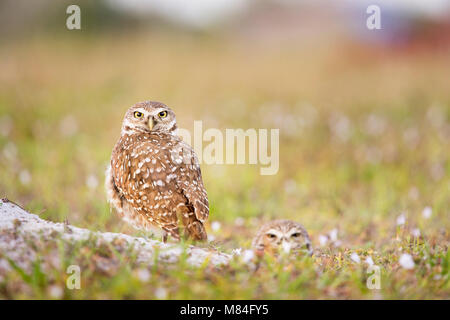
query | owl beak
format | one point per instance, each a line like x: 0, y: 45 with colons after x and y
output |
x: 151, y: 123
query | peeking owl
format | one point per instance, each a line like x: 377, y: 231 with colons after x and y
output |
x: 282, y: 236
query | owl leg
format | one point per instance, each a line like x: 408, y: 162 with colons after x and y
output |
x: 171, y: 230
x: 196, y: 231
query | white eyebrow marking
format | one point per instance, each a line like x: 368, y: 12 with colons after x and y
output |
x: 294, y: 231
x: 141, y: 110
x: 159, y: 110
x: 275, y: 232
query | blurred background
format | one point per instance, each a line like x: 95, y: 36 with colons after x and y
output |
x: 363, y: 114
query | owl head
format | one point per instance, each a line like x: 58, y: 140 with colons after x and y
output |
x: 149, y: 116
x: 282, y: 236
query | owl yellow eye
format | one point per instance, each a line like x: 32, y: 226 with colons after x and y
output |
x: 162, y: 114
x: 296, y: 235
x: 271, y: 235
x: 138, y: 114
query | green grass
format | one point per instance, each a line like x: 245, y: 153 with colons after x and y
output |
x: 338, y: 169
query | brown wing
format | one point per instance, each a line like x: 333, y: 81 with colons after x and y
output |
x: 194, y: 190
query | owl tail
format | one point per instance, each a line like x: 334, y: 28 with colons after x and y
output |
x: 195, y: 230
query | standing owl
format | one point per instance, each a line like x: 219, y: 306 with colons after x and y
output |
x: 154, y: 178
x: 285, y: 235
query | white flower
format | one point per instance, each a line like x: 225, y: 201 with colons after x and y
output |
x: 323, y: 240
x: 239, y: 221
x: 375, y: 125
x: 369, y: 261
x: 161, y: 293
x: 236, y: 252
x: 143, y: 275
x: 25, y: 177
x: 91, y: 182
x: 215, y: 226
x: 10, y: 151
x: 415, y: 232
x: 354, y: 256
x: 427, y: 211
x: 340, y: 126
x: 56, y: 292
x: 211, y: 238
x: 334, y: 234
x: 406, y: 261
x: 248, y: 256
x: 401, y: 220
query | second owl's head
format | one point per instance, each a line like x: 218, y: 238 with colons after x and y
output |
x: 283, y: 236
x: 149, y: 116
